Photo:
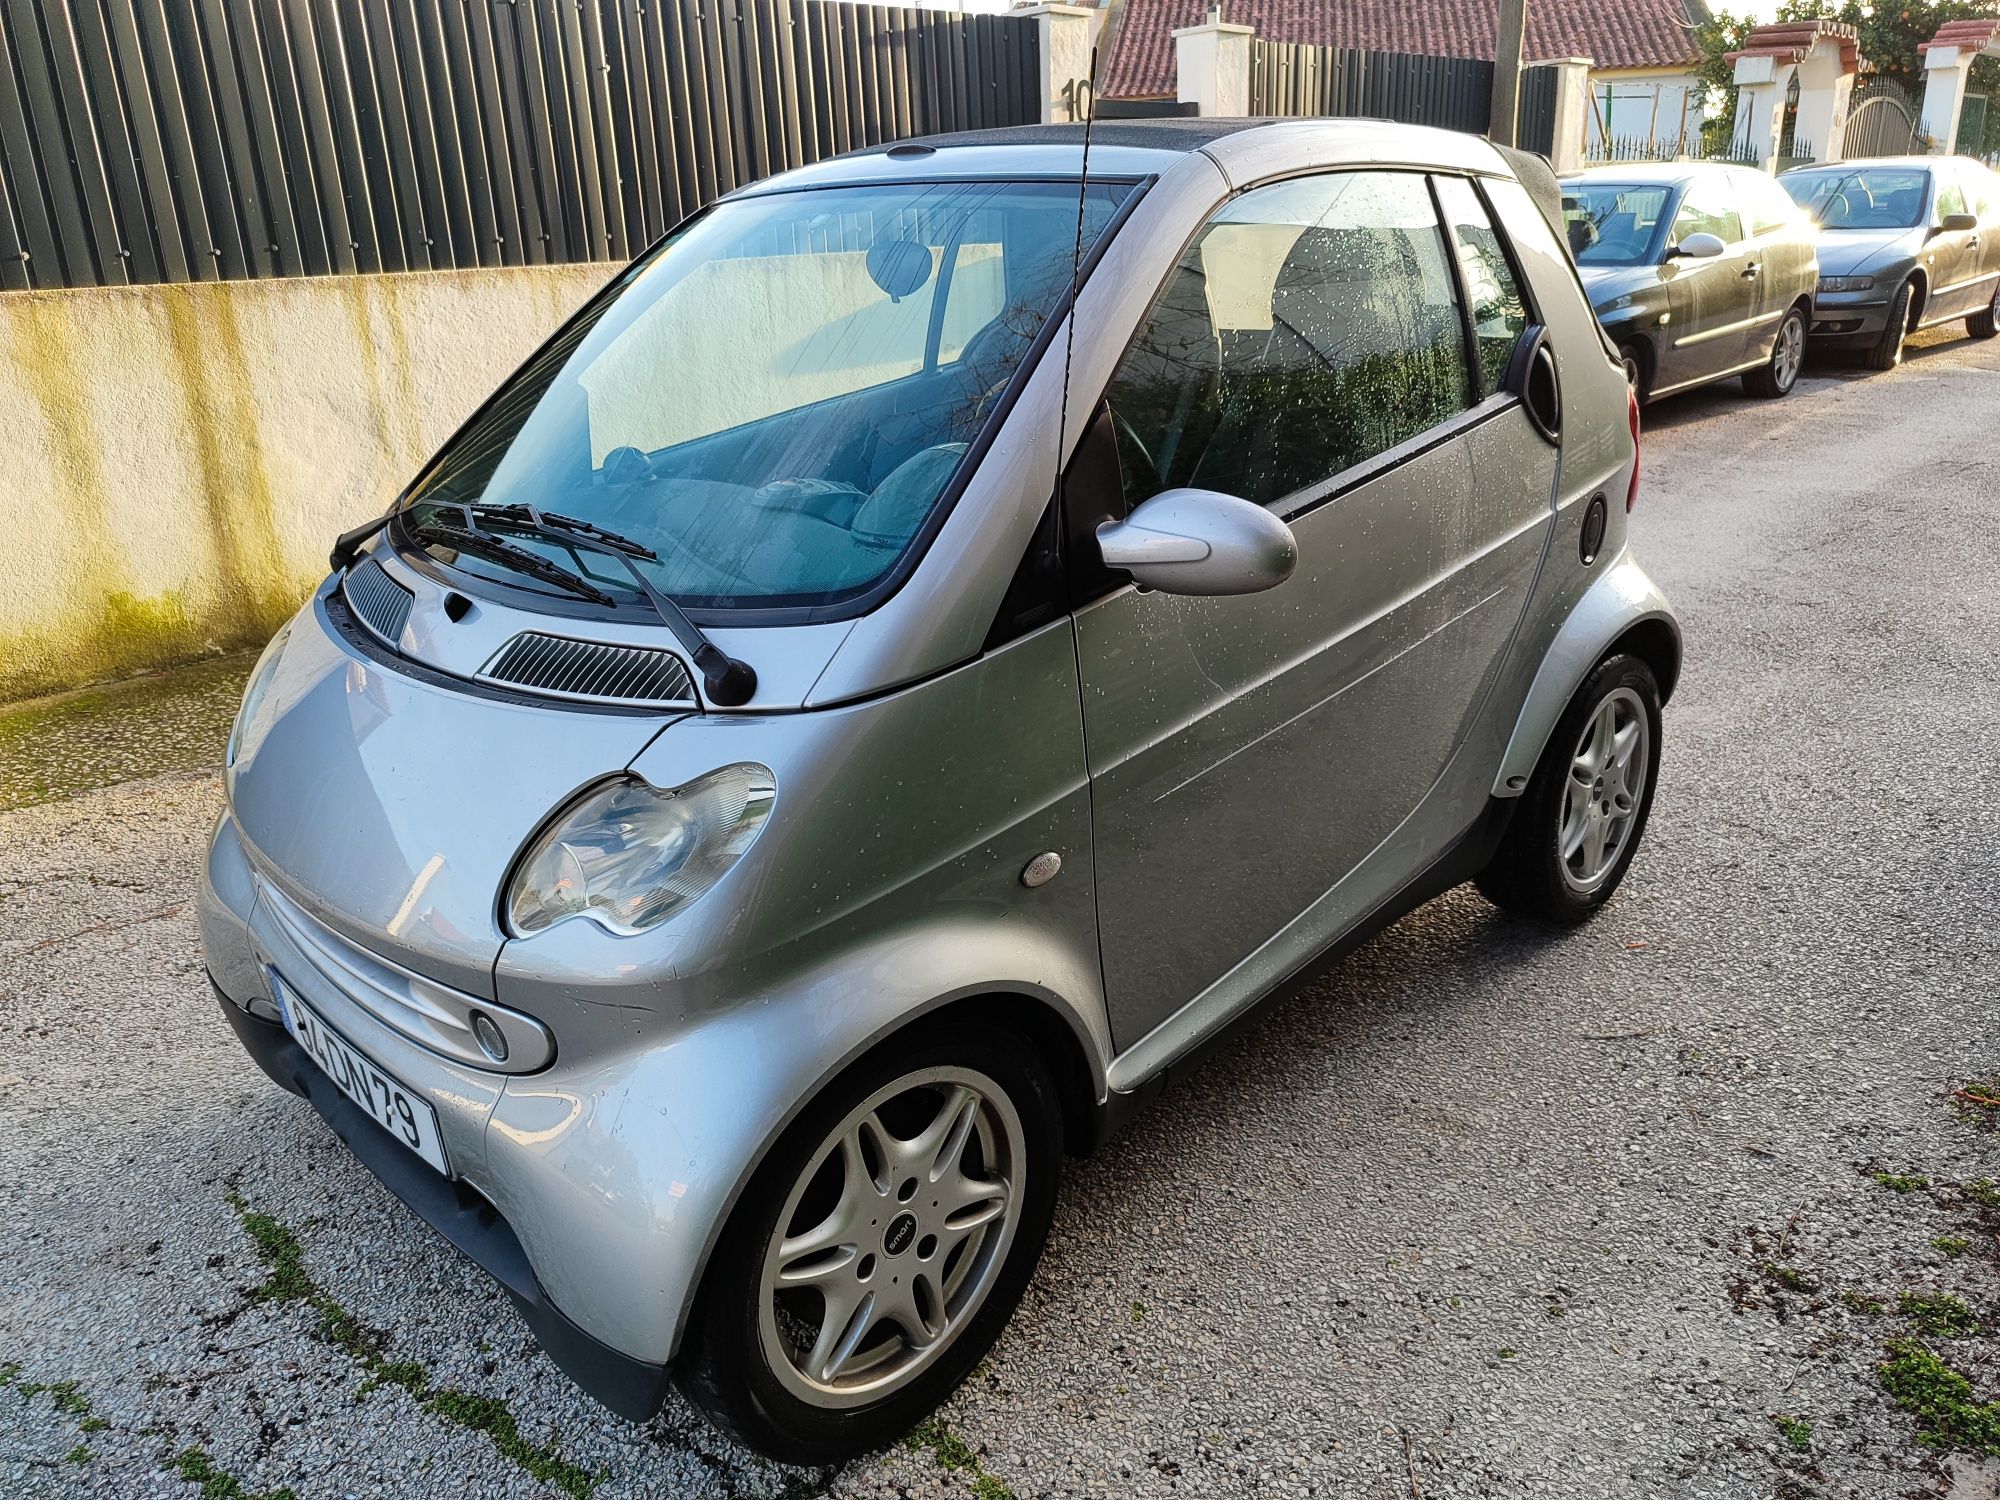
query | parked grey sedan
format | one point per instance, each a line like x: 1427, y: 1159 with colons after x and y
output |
x: 876, y: 694
x: 1699, y: 271
x: 1907, y: 243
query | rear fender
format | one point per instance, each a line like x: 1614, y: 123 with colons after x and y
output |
x: 1622, y: 605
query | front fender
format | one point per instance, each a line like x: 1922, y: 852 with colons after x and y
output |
x: 1621, y: 600
x: 618, y: 1174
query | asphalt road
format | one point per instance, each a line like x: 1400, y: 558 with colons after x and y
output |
x: 1635, y: 1210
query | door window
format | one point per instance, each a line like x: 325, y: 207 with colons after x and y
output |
x: 1708, y: 209
x: 1312, y: 325
x: 1499, y: 312
x: 1950, y: 195
x: 1770, y: 207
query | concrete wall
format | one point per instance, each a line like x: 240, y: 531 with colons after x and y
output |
x: 175, y: 460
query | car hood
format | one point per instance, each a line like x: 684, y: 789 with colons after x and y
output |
x: 1606, y: 284
x: 390, y: 802
x: 1847, y: 252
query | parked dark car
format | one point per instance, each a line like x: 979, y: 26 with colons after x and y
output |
x: 1906, y: 243
x: 1697, y: 272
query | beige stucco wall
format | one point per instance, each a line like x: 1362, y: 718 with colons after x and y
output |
x: 175, y: 460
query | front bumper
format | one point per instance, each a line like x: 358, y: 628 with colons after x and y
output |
x: 1850, y: 317
x: 630, y: 1387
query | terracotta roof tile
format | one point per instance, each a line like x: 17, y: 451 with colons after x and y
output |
x: 1612, y: 33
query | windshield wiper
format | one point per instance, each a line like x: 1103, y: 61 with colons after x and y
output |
x: 520, y: 559
x: 730, y: 681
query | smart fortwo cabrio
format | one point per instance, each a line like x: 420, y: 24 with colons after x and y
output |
x: 938, y: 639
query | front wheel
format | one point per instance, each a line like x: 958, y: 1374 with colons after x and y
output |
x: 1584, y: 810
x: 880, y: 1249
x: 1984, y: 325
x: 1887, y: 352
x: 1777, y: 375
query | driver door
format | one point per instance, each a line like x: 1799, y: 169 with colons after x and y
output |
x: 1714, y: 301
x: 1310, y: 353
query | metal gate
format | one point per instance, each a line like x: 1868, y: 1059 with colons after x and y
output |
x: 1882, y: 121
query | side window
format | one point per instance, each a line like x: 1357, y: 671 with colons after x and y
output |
x: 1499, y: 312
x: 1312, y: 325
x: 1770, y: 207
x: 1950, y: 194
x: 1708, y: 208
x: 978, y: 293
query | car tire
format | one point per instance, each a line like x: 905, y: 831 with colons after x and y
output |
x: 1777, y: 375
x: 1984, y: 325
x: 1887, y: 352
x: 1638, y: 374
x: 750, y: 1366
x: 1534, y: 872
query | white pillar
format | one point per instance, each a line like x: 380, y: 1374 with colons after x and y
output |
x: 1573, y: 112
x: 1067, y: 32
x: 1825, y: 87
x: 1761, y: 85
x: 1946, y: 70
x: 1212, y: 62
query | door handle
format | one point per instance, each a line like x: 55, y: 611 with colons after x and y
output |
x: 1750, y: 271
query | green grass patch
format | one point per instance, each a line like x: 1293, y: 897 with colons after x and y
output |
x: 196, y: 1467
x: 1785, y: 1276
x: 1983, y: 1192
x: 952, y: 1452
x: 80, y: 1454
x: 1796, y: 1431
x: 1951, y: 1246
x: 289, y: 1281
x: 1940, y: 1399
x: 1896, y: 1183
x: 1938, y: 1315
x: 1863, y: 1303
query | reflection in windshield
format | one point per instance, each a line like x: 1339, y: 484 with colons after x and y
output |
x: 1867, y: 198
x: 1612, y: 223
x: 778, y: 397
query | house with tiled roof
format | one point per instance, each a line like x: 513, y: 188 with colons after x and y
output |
x: 1643, y: 53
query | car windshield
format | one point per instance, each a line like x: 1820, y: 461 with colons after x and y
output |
x: 1613, y: 223
x: 1861, y: 198
x: 776, y: 398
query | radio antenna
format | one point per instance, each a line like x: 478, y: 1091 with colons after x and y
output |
x: 1083, y: 96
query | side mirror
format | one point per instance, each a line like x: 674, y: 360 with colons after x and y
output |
x: 1200, y: 542
x: 1698, y: 247
x: 1958, y: 223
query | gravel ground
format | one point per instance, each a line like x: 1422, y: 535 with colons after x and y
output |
x: 1489, y: 1211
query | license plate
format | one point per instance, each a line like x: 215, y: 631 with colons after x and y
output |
x: 406, y: 1117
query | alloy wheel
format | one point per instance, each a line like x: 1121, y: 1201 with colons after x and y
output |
x: 892, y: 1237
x: 1790, y: 354
x: 1606, y: 787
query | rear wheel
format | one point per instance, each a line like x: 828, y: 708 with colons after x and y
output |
x: 1984, y: 325
x: 1887, y: 352
x: 881, y: 1248
x: 1778, y: 374
x: 1584, y: 811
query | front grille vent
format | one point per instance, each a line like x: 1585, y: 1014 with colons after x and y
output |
x: 378, y: 601
x: 592, y: 671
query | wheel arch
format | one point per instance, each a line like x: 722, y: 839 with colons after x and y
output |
x: 1920, y: 296
x: 1622, y: 610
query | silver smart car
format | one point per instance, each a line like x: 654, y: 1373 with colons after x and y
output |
x: 941, y: 637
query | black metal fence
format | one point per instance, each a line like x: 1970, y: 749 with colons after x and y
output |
x: 196, y: 140
x: 1296, y: 78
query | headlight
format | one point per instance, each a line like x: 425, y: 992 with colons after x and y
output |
x: 628, y: 855
x: 255, y: 691
x: 1846, y: 283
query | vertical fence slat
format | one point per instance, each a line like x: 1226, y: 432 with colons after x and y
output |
x: 86, y: 154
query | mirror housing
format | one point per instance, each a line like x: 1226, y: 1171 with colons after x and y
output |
x: 1200, y: 542
x: 1958, y: 223
x: 1698, y: 247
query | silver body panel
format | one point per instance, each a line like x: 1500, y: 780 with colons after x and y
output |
x: 1232, y: 783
